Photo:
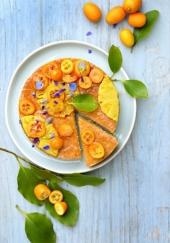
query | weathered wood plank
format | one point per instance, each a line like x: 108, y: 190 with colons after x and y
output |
x: 133, y: 205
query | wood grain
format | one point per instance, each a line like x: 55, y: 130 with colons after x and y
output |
x: 133, y: 206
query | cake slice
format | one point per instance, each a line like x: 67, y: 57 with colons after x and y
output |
x: 66, y: 127
x: 96, y: 143
x: 98, y: 116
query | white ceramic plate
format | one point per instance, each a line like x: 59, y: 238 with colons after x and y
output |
x: 27, y: 67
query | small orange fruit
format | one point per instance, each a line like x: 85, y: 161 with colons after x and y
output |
x: 137, y: 20
x: 60, y: 208
x: 127, y: 37
x: 41, y: 192
x: 92, y: 12
x: 115, y: 15
x: 132, y: 6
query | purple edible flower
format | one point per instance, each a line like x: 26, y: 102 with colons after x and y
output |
x: 61, y: 90
x: 38, y: 84
x: 46, y: 147
x: 89, y: 51
x: 88, y: 33
x: 57, y: 94
x: 35, y: 140
x: 73, y: 86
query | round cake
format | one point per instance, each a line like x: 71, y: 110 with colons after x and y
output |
x: 53, y: 124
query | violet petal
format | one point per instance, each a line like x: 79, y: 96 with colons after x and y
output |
x: 73, y: 86
x: 38, y: 85
x: 88, y: 33
x: 35, y: 140
x: 46, y: 147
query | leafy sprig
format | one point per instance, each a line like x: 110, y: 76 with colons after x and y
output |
x: 134, y: 88
x: 142, y: 33
x: 28, y: 177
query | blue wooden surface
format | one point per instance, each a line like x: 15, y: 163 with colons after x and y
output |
x: 133, y: 206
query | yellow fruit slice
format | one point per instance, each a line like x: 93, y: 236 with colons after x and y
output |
x: 96, y: 75
x: 60, y: 208
x: 35, y: 128
x: 87, y: 137
x: 108, y: 99
x: 96, y: 150
x: 67, y: 66
x: 82, y: 68
x: 55, y: 196
x: 85, y: 83
x: 26, y: 107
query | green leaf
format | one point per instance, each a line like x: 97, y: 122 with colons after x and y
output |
x: 83, y: 180
x: 115, y: 59
x: 38, y: 228
x: 136, y: 88
x: 27, y: 180
x: 71, y: 216
x: 43, y: 174
x: 84, y: 102
x: 142, y: 33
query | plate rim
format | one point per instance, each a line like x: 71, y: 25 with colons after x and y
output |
x: 7, y: 100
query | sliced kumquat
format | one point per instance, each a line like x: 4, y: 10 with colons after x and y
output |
x: 26, y: 107
x: 87, y: 137
x: 42, y: 192
x: 96, y: 150
x: 82, y: 68
x: 36, y: 129
x: 68, y: 78
x: 67, y: 66
x: 56, y: 143
x: 96, y: 75
x: 85, y: 82
x: 60, y: 208
x: 53, y: 71
x: 65, y: 130
x: 55, y: 196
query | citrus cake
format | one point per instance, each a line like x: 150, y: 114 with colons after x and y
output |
x: 53, y: 124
